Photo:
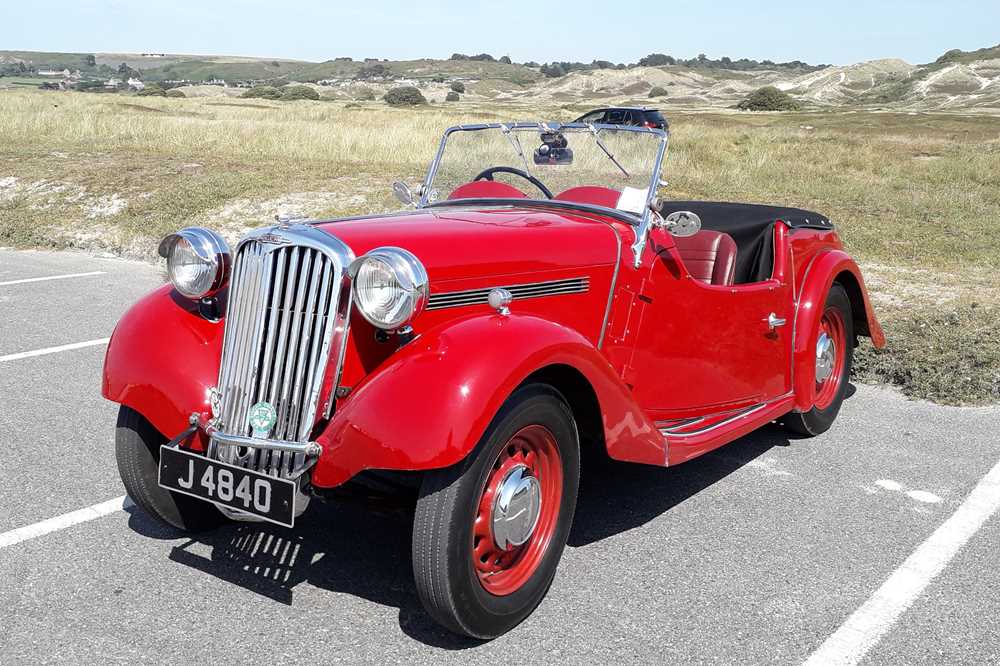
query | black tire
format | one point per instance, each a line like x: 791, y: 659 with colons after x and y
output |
x: 817, y: 421
x: 447, y: 582
x: 137, y: 449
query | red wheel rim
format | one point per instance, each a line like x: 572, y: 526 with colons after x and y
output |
x: 832, y: 327
x: 532, y: 451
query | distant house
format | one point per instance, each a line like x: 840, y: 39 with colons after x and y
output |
x: 154, y: 55
x: 64, y: 73
x: 135, y: 84
x: 112, y: 83
x: 216, y: 82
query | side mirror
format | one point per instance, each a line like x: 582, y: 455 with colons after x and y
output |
x: 402, y: 192
x: 682, y: 223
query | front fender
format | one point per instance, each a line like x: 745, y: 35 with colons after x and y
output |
x: 162, y: 360
x: 825, y: 269
x: 428, y: 405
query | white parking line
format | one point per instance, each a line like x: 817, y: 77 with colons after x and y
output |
x: 53, y: 350
x: 62, y: 522
x: 869, y: 623
x: 51, y: 277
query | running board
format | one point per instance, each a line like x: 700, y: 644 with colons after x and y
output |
x: 689, y: 438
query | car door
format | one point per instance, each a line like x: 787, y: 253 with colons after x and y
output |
x: 702, y: 349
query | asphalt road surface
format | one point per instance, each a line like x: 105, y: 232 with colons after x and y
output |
x: 874, y: 542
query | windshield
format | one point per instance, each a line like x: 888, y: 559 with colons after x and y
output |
x: 604, y: 165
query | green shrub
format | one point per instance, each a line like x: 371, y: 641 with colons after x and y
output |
x: 292, y: 93
x: 452, y: 97
x: 262, y: 92
x: 950, y: 355
x: 768, y: 98
x: 404, y: 96
x: 365, y: 95
x: 657, y: 91
x: 152, y: 91
x: 174, y: 92
x: 458, y: 86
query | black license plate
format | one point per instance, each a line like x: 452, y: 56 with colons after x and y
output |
x: 263, y: 496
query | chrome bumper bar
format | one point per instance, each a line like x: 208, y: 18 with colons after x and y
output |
x: 308, y: 449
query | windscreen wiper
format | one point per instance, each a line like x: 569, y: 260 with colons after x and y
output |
x: 516, y: 142
x: 593, y: 130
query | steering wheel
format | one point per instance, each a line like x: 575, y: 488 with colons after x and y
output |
x: 488, y: 175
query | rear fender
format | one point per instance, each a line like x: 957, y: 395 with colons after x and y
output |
x: 428, y: 405
x: 162, y: 360
x: 826, y: 268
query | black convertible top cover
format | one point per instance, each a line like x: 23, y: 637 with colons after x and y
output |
x: 722, y: 216
x: 751, y: 226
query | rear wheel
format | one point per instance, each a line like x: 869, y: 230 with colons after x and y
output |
x: 137, y: 448
x: 834, y: 358
x: 489, y: 531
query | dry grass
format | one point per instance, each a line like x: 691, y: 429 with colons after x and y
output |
x: 916, y: 198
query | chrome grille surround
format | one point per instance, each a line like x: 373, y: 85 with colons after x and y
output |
x: 455, y: 299
x: 286, y: 320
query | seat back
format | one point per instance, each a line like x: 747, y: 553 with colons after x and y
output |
x: 709, y: 256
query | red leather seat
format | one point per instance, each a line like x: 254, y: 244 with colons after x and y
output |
x: 710, y: 256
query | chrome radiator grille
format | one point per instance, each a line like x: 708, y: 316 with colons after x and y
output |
x: 286, y: 318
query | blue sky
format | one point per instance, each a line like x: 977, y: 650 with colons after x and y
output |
x: 837, y: 32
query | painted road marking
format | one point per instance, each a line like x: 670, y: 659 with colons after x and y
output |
x: 869, y: 623
x: 51, y: 277
x: 62, y: 522
x: 53, y: 350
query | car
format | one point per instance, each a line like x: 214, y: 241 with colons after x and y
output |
x: 514, y: 322
x: 640, y: 116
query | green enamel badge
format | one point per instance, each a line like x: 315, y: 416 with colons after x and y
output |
x: 262, y: 419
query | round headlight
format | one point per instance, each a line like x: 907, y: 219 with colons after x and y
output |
x: 390, y: 287
x: 197, y: 261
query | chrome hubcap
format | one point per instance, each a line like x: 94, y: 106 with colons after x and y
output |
x: 516, y: 509
x: 826, y: 354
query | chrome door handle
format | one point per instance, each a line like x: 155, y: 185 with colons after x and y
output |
x: 774, y: 321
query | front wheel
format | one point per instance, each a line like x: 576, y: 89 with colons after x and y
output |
x: 834, y: 358
x: 489, y: 532
x: 137, y: 449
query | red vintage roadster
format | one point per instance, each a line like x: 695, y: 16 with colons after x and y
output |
x: 536, y: 301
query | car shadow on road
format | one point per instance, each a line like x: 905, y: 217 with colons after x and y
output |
x: 616, y: 497
x: 345, y: 547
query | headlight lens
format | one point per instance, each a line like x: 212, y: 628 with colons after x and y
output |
x: 197, y: 261
x: 390, y: 287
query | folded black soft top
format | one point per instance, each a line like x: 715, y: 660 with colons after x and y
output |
x: 723, y: 216
x: 750, y: 225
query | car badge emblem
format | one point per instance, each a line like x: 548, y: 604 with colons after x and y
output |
x: 273, y: 239
x: 262, y: 419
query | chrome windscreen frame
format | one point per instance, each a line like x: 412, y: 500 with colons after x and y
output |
x: 642, y: 224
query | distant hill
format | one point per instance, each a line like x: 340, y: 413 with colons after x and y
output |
x: 956, y: 80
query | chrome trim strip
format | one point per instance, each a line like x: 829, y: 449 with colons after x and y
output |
x: 454, y: 299
x: 736, y: 416
x: 676, y: 424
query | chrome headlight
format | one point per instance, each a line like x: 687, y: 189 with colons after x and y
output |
x: 197, y: 261
x: 390, y: 287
